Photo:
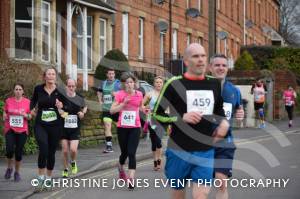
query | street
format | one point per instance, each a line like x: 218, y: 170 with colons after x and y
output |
x: 258, y: 158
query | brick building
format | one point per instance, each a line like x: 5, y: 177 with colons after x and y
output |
x: 52, y: 32
x: 137, y: 19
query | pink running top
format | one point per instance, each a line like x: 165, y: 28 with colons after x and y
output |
x: 129, y: 117
x: 14, y: 120
x: 289, y: 98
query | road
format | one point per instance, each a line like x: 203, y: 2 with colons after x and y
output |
x: 271, y: 158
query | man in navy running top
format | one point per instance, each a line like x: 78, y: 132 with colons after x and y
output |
x: 224, y: 150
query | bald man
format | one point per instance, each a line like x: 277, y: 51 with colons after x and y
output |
x: 198, y: 121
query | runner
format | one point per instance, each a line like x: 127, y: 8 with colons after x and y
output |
x: 225, y: 149
x: 155, y: 136
x: 76, y: 109
x: 195, y: 107
x: 106, y: 96
x: 289, y: 97
x: 127, y: 103
x: 45, y: 101
x: 16, y: 114
x: 259, y: 91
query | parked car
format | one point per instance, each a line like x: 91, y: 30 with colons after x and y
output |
x: 145, y: 87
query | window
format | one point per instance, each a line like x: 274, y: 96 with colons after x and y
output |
x: 141, y: 38
x: 200, y: 6
x: 102, y: 37
x: 174, y: 44
x: 161, y: 48
x: 80, y: 52
x: 24, y: 29
x: 45, y: 31
x: 188, y: 39
x: 125, y: 33
x: 200, y: 40
x: 218, y: 4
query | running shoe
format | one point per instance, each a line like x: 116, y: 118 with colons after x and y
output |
x: 8, y: 173
x: 122, y: 174
x: 17, y: 177
x: 74, y: 168
x: 108, y: 149
x: 65, y: 173
x: 155, y: 165
x: 158, y: 164
x: 40, y: 185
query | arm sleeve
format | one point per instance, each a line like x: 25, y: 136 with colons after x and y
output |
x: 118, y: 98
x: 164, y: 101
x: 5, y: 107
x: 34, y: 98
x: 117, y: 86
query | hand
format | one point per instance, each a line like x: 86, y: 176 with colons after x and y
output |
x: 192, y: 117
x: 58, y: 104
x: 146, y: 109
x: 33, y: 112
x: 221, y: 131
x: 80, y: 114
x: 240, y: 114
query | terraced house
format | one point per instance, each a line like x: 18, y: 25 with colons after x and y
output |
x: 73, y: 35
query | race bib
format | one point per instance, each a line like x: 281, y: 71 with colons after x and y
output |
x: 128, y: 118
x: 227, y: 110
x: 260, y: 98
x: 71, y: 121
x: 49, y: 116
x: 201, y: 101
x: 107, y: 99
x: 16, y: 121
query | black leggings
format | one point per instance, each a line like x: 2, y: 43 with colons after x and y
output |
x: 290, y: 111
x: 14, y: 144
x: 47, y: 138
x: 128, y: 141
x: 155, y: 140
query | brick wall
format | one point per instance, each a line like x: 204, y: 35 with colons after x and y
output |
x: 4, y: 27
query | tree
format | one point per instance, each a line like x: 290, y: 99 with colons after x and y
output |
x: 289, y: 21
x: 113, y: 59
x: 245, y: 62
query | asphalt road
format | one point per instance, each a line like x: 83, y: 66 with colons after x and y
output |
x: 265, y: 167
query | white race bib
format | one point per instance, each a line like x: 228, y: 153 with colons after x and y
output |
x: 49, y: 116
x: 107, y: 99
x: 128, y: 118
x: 227, y: 109
x: 71, y: 121
x: 201, y: 101
x: 16, y: 121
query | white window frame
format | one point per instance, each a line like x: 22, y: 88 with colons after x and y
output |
x: 200, y: 40
x: 32, y: 33
x: 125, y: 33
x: 46, y: 23
x: 218, y: 4
x: 161, y: 48
x: 103, y: 37
x: 174, y: 44
x: 187, y: 4
x: 141, y: 38
x: 91, y: 49
x: 200, y: 6
x: 188, y: 39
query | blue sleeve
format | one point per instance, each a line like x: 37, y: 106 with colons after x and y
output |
x: 117, y: 85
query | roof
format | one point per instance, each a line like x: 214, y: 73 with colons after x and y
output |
x: 98, y: 4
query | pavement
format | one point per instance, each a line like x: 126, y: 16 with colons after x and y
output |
x: 93, y: 159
